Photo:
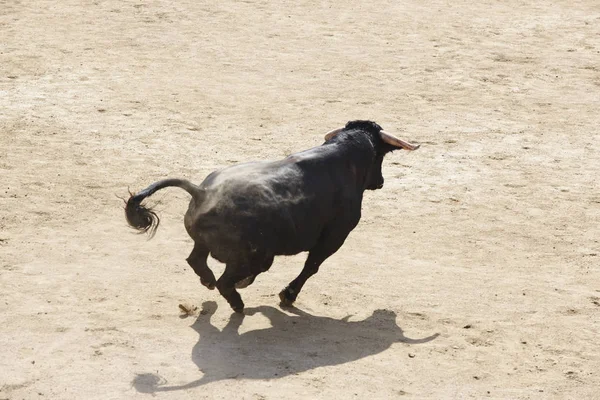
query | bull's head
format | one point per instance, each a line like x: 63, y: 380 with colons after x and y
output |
x: 382, y: 143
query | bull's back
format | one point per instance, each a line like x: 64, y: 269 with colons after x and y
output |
x: 274, y: 207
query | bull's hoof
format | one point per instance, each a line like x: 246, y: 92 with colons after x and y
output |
x: 286, y: 297
x: 236, y: 304
x: 238, y: 309
x: 210, y: 285
x: 244, y: 283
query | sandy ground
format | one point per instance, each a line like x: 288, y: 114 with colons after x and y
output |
x: 473, y: 274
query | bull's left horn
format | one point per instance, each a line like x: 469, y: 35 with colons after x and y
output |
x: 332, y: 133
x: 394, y: 141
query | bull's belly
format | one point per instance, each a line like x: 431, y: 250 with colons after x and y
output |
x: 232, y: 242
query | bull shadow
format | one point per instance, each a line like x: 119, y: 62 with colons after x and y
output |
x: 294, y: 343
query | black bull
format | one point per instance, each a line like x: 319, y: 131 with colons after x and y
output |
x: 247, y: 214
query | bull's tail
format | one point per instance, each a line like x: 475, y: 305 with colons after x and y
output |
x: 143, y: 218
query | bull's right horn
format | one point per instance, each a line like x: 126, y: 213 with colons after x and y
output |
x: 332, y: 133
x: 394, y: 141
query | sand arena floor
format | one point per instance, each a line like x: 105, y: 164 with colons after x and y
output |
x: 474, y: 272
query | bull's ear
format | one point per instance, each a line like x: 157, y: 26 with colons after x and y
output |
x: 333, y: 133
x: 390, y: 149
x: 396, y: 142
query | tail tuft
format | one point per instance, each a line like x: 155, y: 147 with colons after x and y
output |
x: 141, y: 218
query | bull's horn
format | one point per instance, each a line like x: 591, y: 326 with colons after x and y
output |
x: 332, y: 133
x: 394, y: 141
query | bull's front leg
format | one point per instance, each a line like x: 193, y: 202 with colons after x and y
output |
x: 258, y: 263
x: 329, y: 243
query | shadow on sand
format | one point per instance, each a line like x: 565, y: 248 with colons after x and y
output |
x: 293, y: 344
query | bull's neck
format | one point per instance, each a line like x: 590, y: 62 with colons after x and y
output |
x: 357, y: 156
x: 358, y: 149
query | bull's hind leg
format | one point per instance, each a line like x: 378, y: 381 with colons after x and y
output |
x: 226, y: 285
x: 197, y: 261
